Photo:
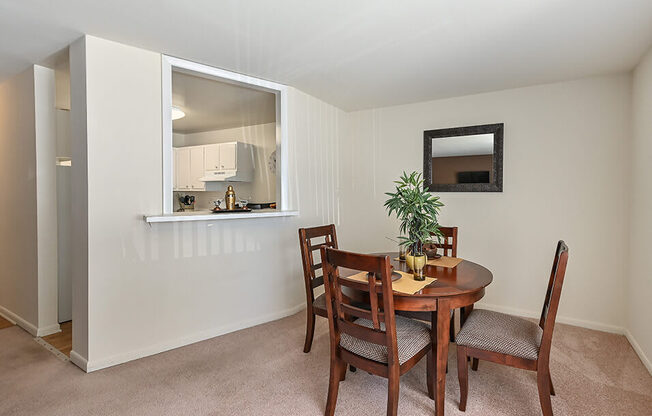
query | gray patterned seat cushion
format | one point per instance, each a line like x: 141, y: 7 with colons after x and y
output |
x: 412, y: 336
x: 499, y: 332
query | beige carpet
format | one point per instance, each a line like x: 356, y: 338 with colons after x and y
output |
x: 262, y: 371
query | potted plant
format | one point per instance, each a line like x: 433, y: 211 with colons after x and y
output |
x: 417, y: 209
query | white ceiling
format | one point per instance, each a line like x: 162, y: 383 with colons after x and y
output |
x: 212, y: 105
x: 472, y: 145
x: 354, y: 54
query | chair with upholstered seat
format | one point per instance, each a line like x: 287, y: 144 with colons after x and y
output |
x: 514, y: 341
x: 372, y: 339
x: 316, y: 306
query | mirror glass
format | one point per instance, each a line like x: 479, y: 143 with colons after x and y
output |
x: 463, y: 159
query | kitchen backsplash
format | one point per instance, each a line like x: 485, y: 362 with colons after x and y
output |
x: 204, y: 200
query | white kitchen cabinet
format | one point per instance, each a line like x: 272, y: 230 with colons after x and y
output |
x: 189, y: 168
x: 221, y: 156
x: 182, y: 169
x: 197, y: 168
x: 212, y: 157
x: 228, y: 156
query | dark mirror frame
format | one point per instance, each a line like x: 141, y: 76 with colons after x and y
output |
x: 497, y: 169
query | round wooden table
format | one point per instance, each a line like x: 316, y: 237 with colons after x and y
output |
x: 457, y: 287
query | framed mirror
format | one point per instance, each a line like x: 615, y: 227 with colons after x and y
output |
x: 464, y: 159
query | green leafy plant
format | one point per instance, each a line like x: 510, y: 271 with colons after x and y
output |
x: 417, y: 209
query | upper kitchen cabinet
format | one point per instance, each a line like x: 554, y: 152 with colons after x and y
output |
x: 232, y: 162
x: 181, y: 169
x: 228, y: 156
x: 221, y: 156
x: 212, y: 157
x: 189, y: 168
x: 197, y: 168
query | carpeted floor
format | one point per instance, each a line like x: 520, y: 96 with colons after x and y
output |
x: 262, y: 371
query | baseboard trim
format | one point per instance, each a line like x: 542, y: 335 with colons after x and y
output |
x: 17, y: 320
x: 94, y: 365
x: 598, y: 326
x: 639, y: 351
x: 79, y: 361
x: 48, y: 330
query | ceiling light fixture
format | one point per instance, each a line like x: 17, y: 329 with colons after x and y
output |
x: 177, y: 113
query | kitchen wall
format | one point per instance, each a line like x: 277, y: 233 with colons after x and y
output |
x: 639, y: 288
x: 566, y: 176
x: 155, y: 287
x: 263, y: 187
x: 28, y: 222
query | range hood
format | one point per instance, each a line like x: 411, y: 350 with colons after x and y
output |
x: 238, y: 175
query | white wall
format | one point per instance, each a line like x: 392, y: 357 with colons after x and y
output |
x: 46, y: 198
x: 639, y: 289
x: 566, y: 153
x: 151, y: 288
x: 263, y: 137
x: 28, y: 240
x: 79, y: 206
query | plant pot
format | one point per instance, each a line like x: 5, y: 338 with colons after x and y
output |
x: 409, y: 260
x: 413, y: 262
x: 419, y: 262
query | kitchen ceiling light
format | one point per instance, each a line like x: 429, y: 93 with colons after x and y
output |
x: 177, y: 113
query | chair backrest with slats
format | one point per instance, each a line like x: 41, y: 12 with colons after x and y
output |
x: 381, y: 302
x: 553, y: 294
x: 448, y: 241
x: 310, y: 241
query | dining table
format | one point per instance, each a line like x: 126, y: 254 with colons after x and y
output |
x: 455, y: 287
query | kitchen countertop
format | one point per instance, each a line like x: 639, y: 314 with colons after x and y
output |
x: 207, y: 215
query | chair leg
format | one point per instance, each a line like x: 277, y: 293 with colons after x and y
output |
x: 392, y: 394
x: 543, y: 383
x: 337, y: 367
x: 430, y: 373
x: 463, y: 376
x: 310, y: 331
x: 552, y: 388
x: 474, y: 366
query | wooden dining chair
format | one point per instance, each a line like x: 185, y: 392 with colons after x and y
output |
x: 448, y: 242
x: 514, y: 341
x: 316, y: 306
x: 373, y: 339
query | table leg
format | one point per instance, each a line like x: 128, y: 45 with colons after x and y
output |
x: 443, y: 338
x: 432, y: 356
